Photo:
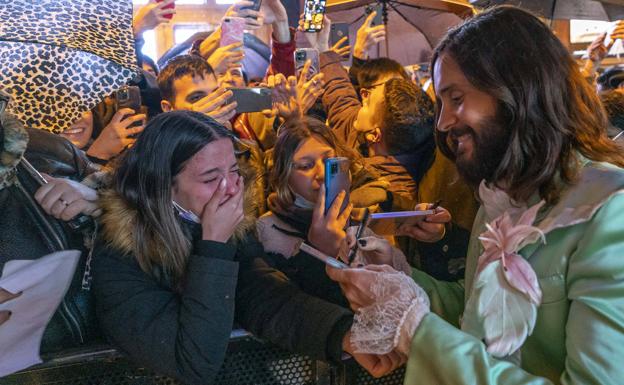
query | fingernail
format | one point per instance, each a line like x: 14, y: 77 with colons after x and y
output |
x: 222, y: 184
x: 362, y: 242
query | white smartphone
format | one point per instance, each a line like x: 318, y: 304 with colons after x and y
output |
x: 333, y: 262
x: 389, y: 223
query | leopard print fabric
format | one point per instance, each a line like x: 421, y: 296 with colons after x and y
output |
x: 61, y: 58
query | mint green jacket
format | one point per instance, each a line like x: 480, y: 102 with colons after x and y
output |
x: 579, y: 333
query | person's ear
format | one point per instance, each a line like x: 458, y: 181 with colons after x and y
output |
x: 374, y: 136
x: 166, y: 106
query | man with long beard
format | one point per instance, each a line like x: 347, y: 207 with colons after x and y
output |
x: 543, y: 297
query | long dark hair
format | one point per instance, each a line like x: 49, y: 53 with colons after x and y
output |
x: 144, y: 180
x: 552, y: 115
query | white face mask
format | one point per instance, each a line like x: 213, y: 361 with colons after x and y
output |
x: 303, y: 203
x: 186, y: 214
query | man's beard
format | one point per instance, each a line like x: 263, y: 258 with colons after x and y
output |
x: 488, y: 149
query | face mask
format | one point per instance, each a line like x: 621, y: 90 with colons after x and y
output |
x: 186, y: 214
x: 303, y: 203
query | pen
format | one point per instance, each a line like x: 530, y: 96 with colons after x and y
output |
x: 436, y: 204
x: 358, y: 234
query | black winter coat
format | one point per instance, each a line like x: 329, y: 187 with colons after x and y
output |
x: 186, y: 335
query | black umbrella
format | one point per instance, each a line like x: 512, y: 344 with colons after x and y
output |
x: 413, y: 27
x: 565, y: 9
x: 60, y: 58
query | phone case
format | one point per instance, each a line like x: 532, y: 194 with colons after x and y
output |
x: 170, y: 6
x: 338, y: 31
x: 253, y: 99
x: 232, y: 30
x: 256, y: 5
x: 337, y: 179
x: 304, y: 54
x: 128, y: 97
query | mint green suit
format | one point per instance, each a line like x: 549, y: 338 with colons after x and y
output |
x: 579, y: 333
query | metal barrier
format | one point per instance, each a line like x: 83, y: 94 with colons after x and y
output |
x: 249, y: 361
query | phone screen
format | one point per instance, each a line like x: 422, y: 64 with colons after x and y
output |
x: 313, y: 14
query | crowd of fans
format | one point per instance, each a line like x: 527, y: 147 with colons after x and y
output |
x: 199, y: 212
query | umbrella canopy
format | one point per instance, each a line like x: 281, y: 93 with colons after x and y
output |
x: 565, y: 9
x: 60, y: 58
x: 414, y: 26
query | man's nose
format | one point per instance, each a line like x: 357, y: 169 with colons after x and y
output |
x: 446, y: 119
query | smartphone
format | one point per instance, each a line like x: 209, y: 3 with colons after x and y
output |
x: 333, y: 262
x: 378, y: 19
x: 313, y: 14
x: 337, y: 32
x: 302, y: 55
x: 255, y: 7
x: 232, y: 30
x: 170, y: 6
x: 128, y: 97
x: 253, y: 99
x: 389, y: 223
x: 337, y: 179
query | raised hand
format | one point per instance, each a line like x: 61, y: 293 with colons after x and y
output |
x: 327, y: 231
x: 428, y: 229
x: 151, y: 15
x: 340, y: 48
x: 215, y: 105
x: 117, y: 135
x: 367, y: 37
x: 320, y: 39
x: 224, y: 58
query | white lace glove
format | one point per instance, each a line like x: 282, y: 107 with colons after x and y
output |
x: 374, y: 250
x: 390, y: 322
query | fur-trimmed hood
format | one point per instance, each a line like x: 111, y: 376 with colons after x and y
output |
x: 13, y: 145
x: 119, y: 219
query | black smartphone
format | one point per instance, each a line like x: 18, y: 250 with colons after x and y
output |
x: 128, y: 97
x: 378, y: 19
x: 256, y: 6
x: 252, y: 99
x: 313, y: 14
x: 302, y: 55
x: 337, y: 179
x: 338, y: 31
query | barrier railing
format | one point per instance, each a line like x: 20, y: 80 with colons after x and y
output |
x: 249, y: 361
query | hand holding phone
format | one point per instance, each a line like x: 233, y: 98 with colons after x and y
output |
x: 169, y: 4
x: 313, y: 14
x: 327, y: 230
x: 431, y: 228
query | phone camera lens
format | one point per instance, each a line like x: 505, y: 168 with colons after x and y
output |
x: 123, y: 94
x: 334, y: 168
x: 301, y: 55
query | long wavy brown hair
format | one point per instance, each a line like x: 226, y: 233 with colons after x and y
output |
x: 291, y: 135
x: 552, y: 114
